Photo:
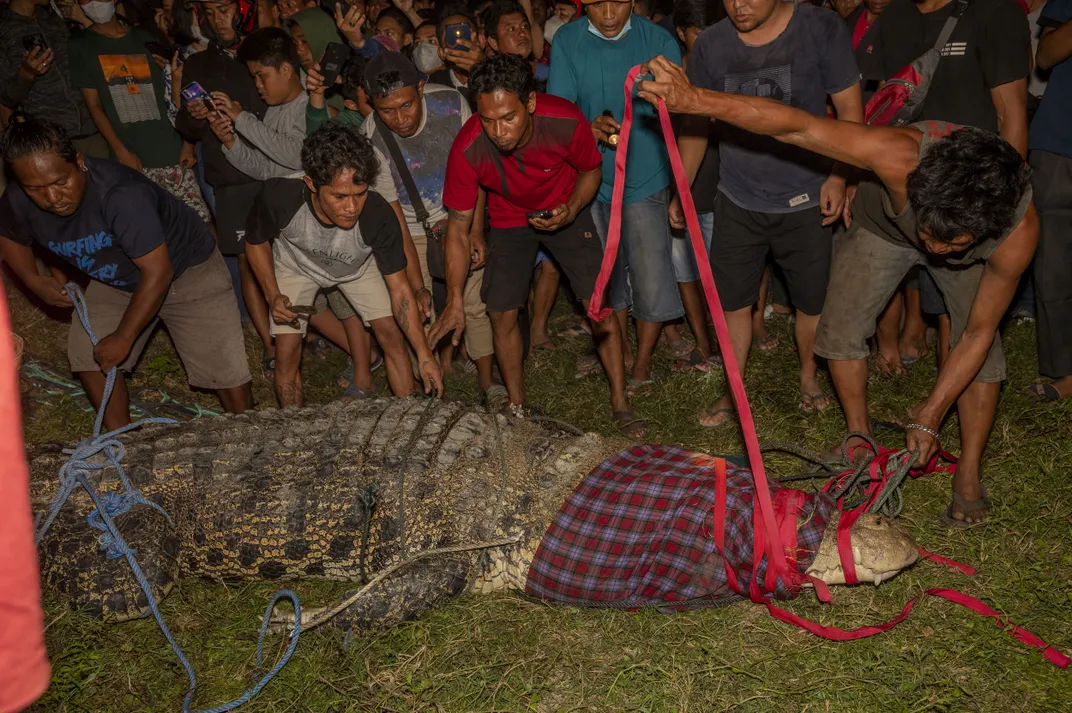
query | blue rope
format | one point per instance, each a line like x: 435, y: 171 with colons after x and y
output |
x: 76, y: 471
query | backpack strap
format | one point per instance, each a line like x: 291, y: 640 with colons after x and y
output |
x: 403, y: 171
x: 951, y: 24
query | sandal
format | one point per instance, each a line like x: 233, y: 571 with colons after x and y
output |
x: 1046, y: 393
x: 496, y: 398
x: 630, y: 425
x: 588, y: 366
x: 544, y: 346
x: 766, y: 344
x: 346, y: 376
x: 356, y: 393
x: 967, y: 507
x: 638, y: 388
x: 696, y: 362
x: 317, y: 348
x: 681, y: 348
x: 713, y: 412
x: 815, y: 402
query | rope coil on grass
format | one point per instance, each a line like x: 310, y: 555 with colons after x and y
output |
x: 108, y: 506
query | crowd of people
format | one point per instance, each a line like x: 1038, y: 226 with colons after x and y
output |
x: 411, y: 180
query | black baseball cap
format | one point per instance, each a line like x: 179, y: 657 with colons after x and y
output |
x: 388, y: 71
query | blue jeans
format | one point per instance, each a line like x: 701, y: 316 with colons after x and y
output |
x: 643, y: 274
x: 682, y: 254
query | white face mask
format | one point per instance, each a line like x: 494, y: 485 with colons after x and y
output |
x: 551, y: 27
x: 99, y: 12
x: 426, y: 57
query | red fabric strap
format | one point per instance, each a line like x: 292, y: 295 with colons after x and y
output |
x: 860, y: 29
x: 733, y: 373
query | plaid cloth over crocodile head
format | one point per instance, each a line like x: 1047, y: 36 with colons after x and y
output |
x: 637, y: 532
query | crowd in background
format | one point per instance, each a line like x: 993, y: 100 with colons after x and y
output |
x: 251, y: 122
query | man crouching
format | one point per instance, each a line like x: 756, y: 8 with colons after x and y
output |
x: 320, y: 231
x: 147, y: 254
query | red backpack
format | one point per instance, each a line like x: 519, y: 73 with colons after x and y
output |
x: 900, y: 100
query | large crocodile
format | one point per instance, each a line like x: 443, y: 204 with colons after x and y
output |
x: 346, y: 491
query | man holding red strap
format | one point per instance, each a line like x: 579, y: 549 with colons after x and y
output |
x: 955, y: 199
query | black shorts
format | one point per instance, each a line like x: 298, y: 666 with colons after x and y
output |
x: 511, y: 259
x: 233, y: 204
x: 798, y: 241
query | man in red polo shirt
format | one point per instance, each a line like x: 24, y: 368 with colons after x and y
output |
x: 535, y: 156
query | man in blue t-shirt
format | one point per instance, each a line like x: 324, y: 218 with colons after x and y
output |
x: 773, y: 198
x: 147, y: 255
x: 1051, y: 161
x: 588, y: 67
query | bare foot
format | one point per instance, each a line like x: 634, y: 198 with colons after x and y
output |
x: 886, y: 364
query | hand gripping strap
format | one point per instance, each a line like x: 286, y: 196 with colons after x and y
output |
x: 764, y: 510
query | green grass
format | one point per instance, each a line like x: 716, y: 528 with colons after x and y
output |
x: 501, y: 653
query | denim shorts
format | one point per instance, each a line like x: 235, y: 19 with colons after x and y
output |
x: 683, y: 255
x: 644, y: 271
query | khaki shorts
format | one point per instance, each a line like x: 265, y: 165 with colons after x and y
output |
x: 200, y: 313
x: 865, y: 273
x: 367, y: 294
x: 479, y: 342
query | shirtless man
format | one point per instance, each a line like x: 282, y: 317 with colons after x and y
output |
x: 957, y: 200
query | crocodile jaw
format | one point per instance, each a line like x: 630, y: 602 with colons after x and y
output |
x: 881, y: 548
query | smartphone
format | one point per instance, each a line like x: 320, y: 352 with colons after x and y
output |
x: 194, y: 92
x: 541, y: 214
x: 335, y: 56
x: 159, y: 49
x: 34, y: 41
x: 457, y: 31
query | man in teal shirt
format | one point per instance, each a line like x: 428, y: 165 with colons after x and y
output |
x: 588, y: 66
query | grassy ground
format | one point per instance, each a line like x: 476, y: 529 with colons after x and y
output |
x: 502, y: 653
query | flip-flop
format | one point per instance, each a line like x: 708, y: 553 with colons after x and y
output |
x: 630, y: 425
x: 588, y: 366
x: 681, y: 348
x: 696, y: 362
x: 767, y: 343
x: 355, y: 392
x: 1046, y: 393
x: 638, y: 388
x: 347, y: 374
x: 545, y: 346
x: 967, y: 507
x: 317, y: 348
x: 713, y: 412
x: 807, y: 401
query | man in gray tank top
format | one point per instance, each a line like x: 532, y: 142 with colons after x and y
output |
x: 955, y: 200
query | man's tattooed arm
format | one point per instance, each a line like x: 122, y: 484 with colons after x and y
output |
x: 404, y: 309
x: 402, y: 313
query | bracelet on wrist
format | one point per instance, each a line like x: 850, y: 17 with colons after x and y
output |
x: 925, y: 429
